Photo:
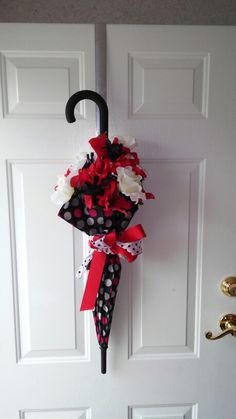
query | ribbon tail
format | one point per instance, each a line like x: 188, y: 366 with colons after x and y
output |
x: 93, y: 281
x: 84, y: 266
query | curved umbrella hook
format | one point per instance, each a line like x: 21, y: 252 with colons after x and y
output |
x: 95, y: 97
x: 103, y: 128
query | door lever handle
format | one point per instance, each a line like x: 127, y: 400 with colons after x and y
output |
x: 210, y: 336
x: 228, y: 326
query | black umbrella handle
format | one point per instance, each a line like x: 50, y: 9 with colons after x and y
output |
x: 95, y: 97
x: 103, y: 360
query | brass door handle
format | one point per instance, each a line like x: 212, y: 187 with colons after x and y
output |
x: 228, y: 286
x: 227, y: 324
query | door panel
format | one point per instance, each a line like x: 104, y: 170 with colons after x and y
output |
x: 168, y: 85
x: 44, y: 332
x: 168, y: 293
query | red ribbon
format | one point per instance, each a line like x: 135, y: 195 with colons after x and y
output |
x: 130, y: 235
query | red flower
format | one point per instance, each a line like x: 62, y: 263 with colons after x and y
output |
x: 102, y: 147
x: 99, y: 187
x: 99, y: 145
x: 94, y: 174
x: 109, y: 195
x: 122, y: 204
x: 139, y: 171
x: 98, y: 181
x: 74, y: 181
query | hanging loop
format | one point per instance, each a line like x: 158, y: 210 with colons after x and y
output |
x: 95, y: 97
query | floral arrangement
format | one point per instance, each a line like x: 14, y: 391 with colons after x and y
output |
x: 107, y: 187
x: 99, y: 195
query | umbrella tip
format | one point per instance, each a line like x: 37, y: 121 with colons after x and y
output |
x: 103, y: 360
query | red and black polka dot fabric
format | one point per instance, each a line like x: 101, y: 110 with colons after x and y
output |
x: 105, y: 302
x: 94, y: 221
x: 100, y: 206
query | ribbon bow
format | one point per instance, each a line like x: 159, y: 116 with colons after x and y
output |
x: 127, y: 244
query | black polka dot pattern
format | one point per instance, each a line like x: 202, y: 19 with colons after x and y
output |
x: 135, y: 248
x: 84, y: 265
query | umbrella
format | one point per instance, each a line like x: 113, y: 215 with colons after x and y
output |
x: 100, y: 195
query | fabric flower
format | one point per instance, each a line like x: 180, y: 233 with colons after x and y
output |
x: 130, y: 159
x: 110, y: 193
x: 94, y: 174
x: 121, y: 204
x: 97, y: 183
x: 130, y: 183
x: 127, y: 141
x: 99, y: 144
x: 106, y: 149
x: 107, y: 180
x: 77, y: 164
x: 63, y: 191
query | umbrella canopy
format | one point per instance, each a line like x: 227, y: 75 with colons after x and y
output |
x: 99, y: 196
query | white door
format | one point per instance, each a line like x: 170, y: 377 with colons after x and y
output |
x: 174, y: 89
x: 45, y: 344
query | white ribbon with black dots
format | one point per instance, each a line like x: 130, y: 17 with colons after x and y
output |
x: 134, y: 248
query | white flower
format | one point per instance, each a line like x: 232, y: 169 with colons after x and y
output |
x: 63, y: 191
x: 77, y: 164
x: 127, y: 141
x: 130, y: 183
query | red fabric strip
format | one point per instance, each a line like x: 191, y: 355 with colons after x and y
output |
x: 93, y: 281
x: 132, y: 234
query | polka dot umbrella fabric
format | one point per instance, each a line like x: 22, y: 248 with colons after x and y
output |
x: 99, y: 195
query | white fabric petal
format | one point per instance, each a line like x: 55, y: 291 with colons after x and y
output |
x: 63, y: 191
x: 127, y: 141
x: 130, y: 183
x: 77, y: 164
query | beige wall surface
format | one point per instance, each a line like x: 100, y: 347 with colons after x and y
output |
x: 186, y: 12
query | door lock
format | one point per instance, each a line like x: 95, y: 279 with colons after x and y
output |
x: 227, y: 324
